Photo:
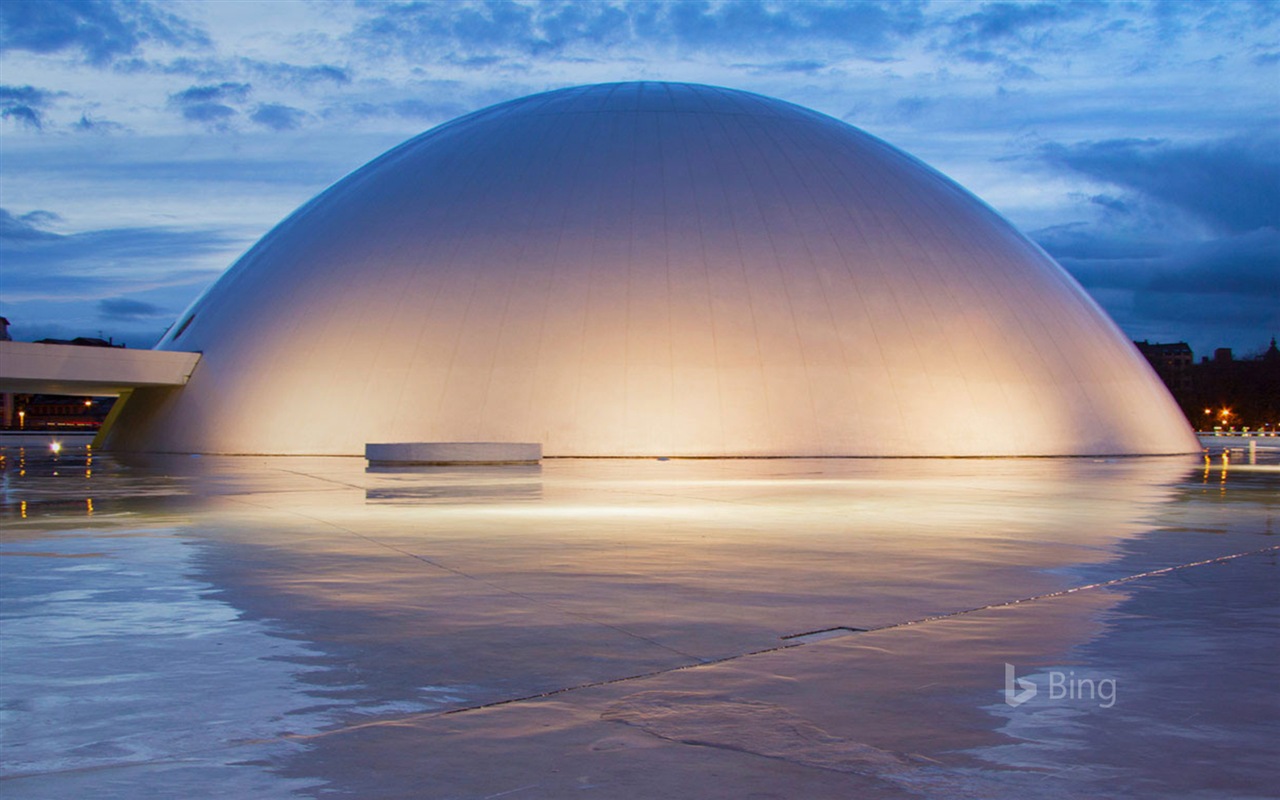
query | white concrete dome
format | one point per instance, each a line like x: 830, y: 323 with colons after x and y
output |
x: 653, y: 269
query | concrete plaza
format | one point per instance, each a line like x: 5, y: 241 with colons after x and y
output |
x: 294, y: 627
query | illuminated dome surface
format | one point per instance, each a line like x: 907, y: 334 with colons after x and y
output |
x: 650, y: 269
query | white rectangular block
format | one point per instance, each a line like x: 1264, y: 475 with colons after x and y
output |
x: 449, y: 453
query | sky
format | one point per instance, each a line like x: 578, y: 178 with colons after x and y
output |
x: 145, y: 145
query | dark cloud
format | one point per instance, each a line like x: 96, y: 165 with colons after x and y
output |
x: 294, y: 75
x: 98, y: 30
x: 41, y: 263
x: 1248, y: 264
x: 205, y: 94
x: 1112, y: 203
x: 1012, y: 37
x: 27, y: 95
x: 123, y: 247
x: 1212, y: 293
x: 474, y: 61
x: 796, y: 65
x: 24, y: 104
x: 122, y: 308
x: 1187, y: 246
x: 87, y: 125
x: 278, y: 117
x: 28, y: 227
x: 1233, y: 185
x: 1019, y: 24
x: 214, y: 115
x: 24, y: 114
x: 209, y: 104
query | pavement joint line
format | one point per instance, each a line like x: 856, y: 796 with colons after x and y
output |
x: 1062, y: 593
x: 322, y: 478
x: 778, y: 648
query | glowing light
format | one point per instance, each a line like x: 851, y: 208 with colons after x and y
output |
x: 56, y: 447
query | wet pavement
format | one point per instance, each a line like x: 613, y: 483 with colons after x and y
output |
x: 298, y: 627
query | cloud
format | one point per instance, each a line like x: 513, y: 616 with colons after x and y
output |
x: 416, y: 28
x: 65, y: 285
x: 24, y: 104
x: 87, y: 125
x: 494, y: 28
x: 1185, y: 243
x: 40, y: 263
x: 1232, y: 185
x: 28, y: 227
x: 151, y: 166
x: 1221, y: 291
x: 867, y: 27
x: 1248, y: 264
x: 124, y: 309
x: 99, y: 30
x: 1012, y: 37
x: 205, y: 94
x: 215, y: 115
x: 281, y: 73
x: 208, y: 104
x: 794, y: 65
x: 1112, y: 203
x: 24, y: 114
x: 1018, y: 24
x: 278, y: 117
x: 409, y: 108
x: 212, y: 68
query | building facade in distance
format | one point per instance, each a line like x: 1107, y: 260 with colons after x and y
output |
x: 1223, y: 393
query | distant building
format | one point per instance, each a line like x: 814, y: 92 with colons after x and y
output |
x: 4, y: 330
x: 1223, y: 391
x: 1172, y: 362
x: 1272, y: 354
x: 82, y: 341
x: 39, y: 412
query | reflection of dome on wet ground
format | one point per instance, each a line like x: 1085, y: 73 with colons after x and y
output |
x: 653, y: 269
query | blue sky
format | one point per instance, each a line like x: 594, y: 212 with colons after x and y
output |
x: 145, y: 145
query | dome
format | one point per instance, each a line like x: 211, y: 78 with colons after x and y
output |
x: 652, y: 269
